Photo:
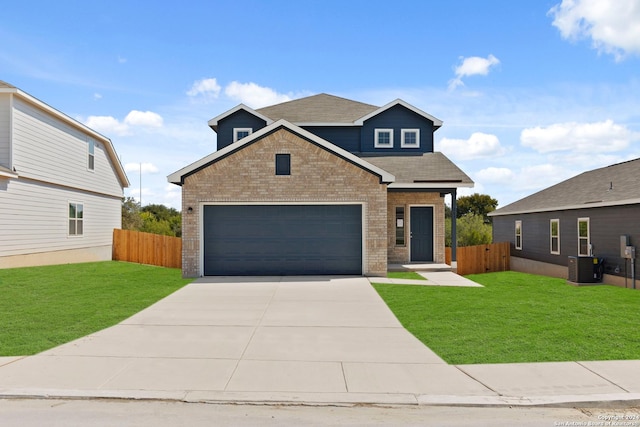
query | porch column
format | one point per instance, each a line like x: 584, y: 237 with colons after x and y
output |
x: 454, y: 236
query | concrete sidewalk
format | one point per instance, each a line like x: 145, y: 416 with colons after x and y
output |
x: 313, y: 340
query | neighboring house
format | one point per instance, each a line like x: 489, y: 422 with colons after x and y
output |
x: 581, y: 217
x: 318, y: 185
x: 61, y: 185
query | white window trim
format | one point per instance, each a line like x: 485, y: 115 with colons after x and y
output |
x: 405, y: 145
x: 518, y: 226
x: 376, y: 136
x: 238, y: 130
x: 91, y: 143
x: 557, y: 221
x: 588, y: 236
x: 75, y: 236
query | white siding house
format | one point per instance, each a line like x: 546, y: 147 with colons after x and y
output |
x: 61, y: 185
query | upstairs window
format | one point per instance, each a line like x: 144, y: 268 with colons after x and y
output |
x: 383, y: 138
x: 92, y: 155
x: 76, y: 219
x: 239, y: 133
x: 519, y: 235
x: 283, y: 164
x: 554, y: 233
x: 410, y: 138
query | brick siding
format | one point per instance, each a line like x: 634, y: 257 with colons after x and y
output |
x: 400, y: 254
x: 317, y: 175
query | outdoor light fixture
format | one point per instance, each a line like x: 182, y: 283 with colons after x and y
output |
x: 189, y: 210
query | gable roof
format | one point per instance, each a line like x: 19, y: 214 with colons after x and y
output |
x: 213, y: 123
x: 612, y: 185
x: 437, y: 123
x: 321, y: 108
x: 111, y: 152
x: 425, y: 170
x: 178, y: 176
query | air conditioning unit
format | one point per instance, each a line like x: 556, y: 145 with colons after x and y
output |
x: 581, y: 269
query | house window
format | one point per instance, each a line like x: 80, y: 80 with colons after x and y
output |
x: 519, y: 235
x: 92, y: 158
x: 76, y: 219
x: 283, y: 164
x: 584, y: 240
x: 400, y: 226
x: 383, y: 138
x: 239, y: 133
x: 554, y: 233
x: 410, y: 138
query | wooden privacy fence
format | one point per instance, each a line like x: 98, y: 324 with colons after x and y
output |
x: 147, y: 248
x: 481, y: 258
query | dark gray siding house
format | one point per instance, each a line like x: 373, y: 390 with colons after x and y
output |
x: 582, y: 217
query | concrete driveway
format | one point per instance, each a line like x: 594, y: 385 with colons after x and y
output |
x: 287, y: 339
x: 313, y: 339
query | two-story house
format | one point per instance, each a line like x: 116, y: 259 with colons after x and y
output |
x: 318, y: 185
x: 61, y: 185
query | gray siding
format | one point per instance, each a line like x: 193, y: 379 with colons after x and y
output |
x: 606, y: 226
x: 239, y: 119
x: 34, y: 218
x: 397, y: 118
x: 5, y: 129
x: 46, y: 149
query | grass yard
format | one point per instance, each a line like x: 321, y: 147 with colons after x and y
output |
x: 520, y: 317
x: 405, y: 275
x: 42, y: 307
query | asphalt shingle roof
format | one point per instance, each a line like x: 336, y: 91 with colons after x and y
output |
x: 613, y: 185
x: 420, y: 168
x: 322, y: 108
x: 6, y: 85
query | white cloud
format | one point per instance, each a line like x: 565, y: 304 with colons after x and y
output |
x: 612, y: 25
x: 593, y: 138
x: 146, y: 167
x: 537, y: 177
x: 209, y: 88
x: 143, y: 118
x: 97, y: 96
x: 478, y: 145
x: 254, y: 95
x: 107, y: 125
x: 472, y: 66
x: 494, y: 175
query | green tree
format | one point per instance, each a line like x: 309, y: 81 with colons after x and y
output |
x: 470, y: 230
x: 476, y: 204
x: 131, y: 214
x: 156, y: 219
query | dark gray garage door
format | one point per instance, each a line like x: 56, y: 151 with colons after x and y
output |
x: 282, y: 239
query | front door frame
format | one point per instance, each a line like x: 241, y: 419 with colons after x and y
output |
x: 433, y: 230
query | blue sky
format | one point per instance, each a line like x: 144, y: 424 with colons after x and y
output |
x: 531, y: 92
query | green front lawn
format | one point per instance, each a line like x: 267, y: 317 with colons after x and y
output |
x: 42, y: 307
x: 405, y: 275
x: 519, y: 317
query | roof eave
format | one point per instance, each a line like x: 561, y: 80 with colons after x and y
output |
x: 213, y: 123
x: 437, y: 123
x: 568, y: 207
x: 177, y: 177
x: 434, y: 185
